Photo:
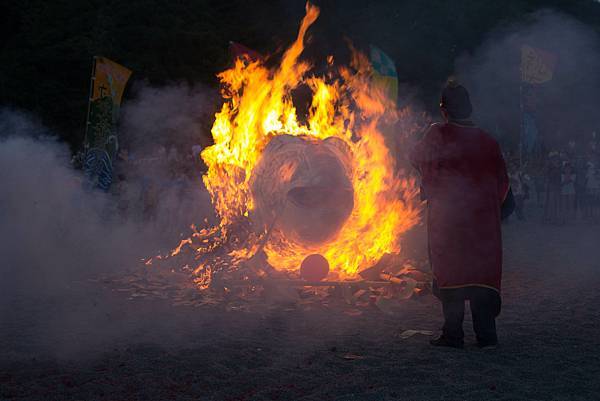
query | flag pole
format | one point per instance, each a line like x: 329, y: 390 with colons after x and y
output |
x: 521, y: 125
x: 91, y: 94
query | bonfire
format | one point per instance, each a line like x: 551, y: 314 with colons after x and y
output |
x: 311, y: 198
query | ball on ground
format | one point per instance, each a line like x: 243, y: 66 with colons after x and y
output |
x: 314, y: 268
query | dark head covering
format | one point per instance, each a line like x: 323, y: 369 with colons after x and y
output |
x: 455, y: 100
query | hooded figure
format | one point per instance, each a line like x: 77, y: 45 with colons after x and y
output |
x: 464, y: 180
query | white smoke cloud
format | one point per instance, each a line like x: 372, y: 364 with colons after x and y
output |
x: 565, y: 105
x: 177, y: 115
x: 56, y: 235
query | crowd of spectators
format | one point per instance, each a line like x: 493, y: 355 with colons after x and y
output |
x: 158, y: 186
x: 561, y: 186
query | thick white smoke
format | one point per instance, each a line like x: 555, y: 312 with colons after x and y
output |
x: 57, y: 235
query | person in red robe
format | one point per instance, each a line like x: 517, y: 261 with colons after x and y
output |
x: 464, y: 181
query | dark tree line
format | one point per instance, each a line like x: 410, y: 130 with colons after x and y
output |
x: 47, y: 46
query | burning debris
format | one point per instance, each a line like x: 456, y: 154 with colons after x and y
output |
x: 301, y: 202
x: 379, y: 288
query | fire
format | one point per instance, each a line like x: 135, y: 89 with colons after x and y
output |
x: 258, y: 106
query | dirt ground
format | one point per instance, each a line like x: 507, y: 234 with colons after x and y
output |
x: 102, y: 347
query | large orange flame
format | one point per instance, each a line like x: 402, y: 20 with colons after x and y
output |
x: 258, y: 106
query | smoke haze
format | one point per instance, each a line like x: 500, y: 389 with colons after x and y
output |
x: 57, y: 235
x: 566, y: 106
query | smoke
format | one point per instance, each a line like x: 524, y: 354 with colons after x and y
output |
x: 57, y: 238
x: 163, y: 131
x: 178, y: 115
x: 565, y: 106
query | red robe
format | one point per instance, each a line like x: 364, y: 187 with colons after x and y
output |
x: 464, y: 180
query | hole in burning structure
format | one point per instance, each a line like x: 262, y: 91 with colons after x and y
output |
x: 303, y: 186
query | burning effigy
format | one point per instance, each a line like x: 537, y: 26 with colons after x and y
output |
x: 286, y: 188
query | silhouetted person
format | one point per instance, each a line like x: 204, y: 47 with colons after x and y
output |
x: 552, y: 204
x: 520, y: 189
x: 465, y: 182
x: 567, y: 193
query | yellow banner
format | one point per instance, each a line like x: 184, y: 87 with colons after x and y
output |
x: 101, y: 142
x: 537, y: 65
x: 110, y: 79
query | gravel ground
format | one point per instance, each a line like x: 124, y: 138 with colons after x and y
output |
x: 86, y: 344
